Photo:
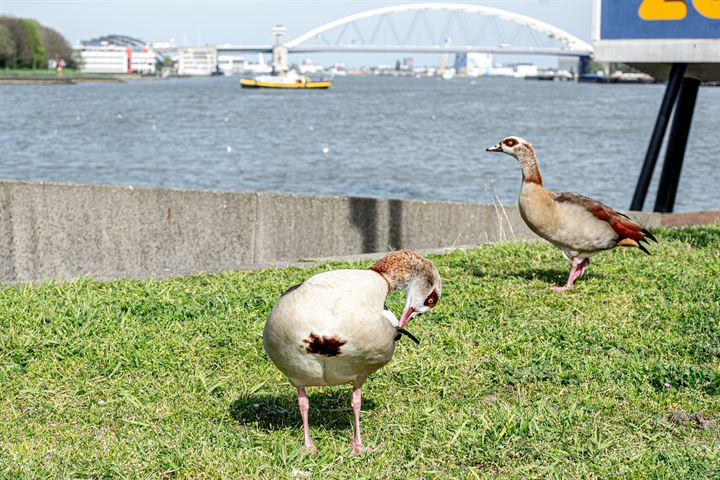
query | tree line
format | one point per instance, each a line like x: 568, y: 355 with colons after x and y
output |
x: 25, y: 43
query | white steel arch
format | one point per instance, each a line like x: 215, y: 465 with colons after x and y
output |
x: 573, y: 42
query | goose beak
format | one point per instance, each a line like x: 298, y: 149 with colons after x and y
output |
x: 406, y: 316
x: 494, y: 148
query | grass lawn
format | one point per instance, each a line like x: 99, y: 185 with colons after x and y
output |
x: 44, y: 72
x: 168, y: 379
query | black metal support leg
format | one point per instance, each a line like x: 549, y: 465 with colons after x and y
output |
x: 671, y: 92
x: 675, y: 153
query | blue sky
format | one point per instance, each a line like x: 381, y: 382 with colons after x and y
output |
x: 243, y: 21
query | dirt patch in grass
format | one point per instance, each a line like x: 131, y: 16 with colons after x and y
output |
x: 684, y: 419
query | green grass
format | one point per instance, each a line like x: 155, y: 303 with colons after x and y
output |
x: 44, y: 72
x: 168, y: 379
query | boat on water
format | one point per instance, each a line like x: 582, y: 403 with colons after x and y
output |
x: 290, y: 80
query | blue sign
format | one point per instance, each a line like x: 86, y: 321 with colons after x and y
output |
x: 663, y: 19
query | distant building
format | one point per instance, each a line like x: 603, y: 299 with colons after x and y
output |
x: 461, y: 63
x: 502, y: 71
x: 338, y: 70
x: 104, y: 59
x: 169, y: 45
x: 523, y: 70
x: 518, y: 70
x: 568, y: 64
x: 308, y: 67
x: 229, y: 61
x: 230, y: 64
x: 143, y: 61
x: 197, y: 61
x: 259, y: 67
x: 116, y: 54
x: 473, y: 64
x: 233, y: 62
x: 111, y: 59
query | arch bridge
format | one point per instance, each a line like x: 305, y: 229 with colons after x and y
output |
x: 428, y: 28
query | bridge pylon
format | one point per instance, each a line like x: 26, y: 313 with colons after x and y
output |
x: 279, y: 51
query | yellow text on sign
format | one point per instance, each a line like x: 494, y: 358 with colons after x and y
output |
x: 677, y: 9
x: 709, y: 8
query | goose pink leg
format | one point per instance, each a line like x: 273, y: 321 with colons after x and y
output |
x: 583, y: 266
x: 577, y: 270
x: 304, y: 405
x: 356, y: 404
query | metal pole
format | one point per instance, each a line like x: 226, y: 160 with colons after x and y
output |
x: 671, y: 92
x: 675, y: 153
x: 583, y: 65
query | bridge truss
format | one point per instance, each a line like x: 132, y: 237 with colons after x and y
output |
x: 440, y: 27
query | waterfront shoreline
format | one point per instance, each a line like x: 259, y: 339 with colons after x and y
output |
x: 56, y: 81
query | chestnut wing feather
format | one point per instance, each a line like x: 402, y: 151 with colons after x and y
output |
x: 620, y: 223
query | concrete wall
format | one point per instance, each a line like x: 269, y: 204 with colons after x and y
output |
x: 60, y: 231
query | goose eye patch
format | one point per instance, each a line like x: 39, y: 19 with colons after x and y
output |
x: 432, y: 299
x: 510, y: 142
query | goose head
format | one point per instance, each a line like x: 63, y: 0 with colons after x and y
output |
x: 524, y: 153
x: 513, y: 146
x: 417, y: 276
x: 423, y: 293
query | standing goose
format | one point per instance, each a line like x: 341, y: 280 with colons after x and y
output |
x: 577, y: 225
x: 334, y: 327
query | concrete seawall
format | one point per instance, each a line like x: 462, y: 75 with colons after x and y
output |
x: 61, y: 231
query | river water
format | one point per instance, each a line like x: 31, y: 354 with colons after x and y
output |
x: 366, y: 136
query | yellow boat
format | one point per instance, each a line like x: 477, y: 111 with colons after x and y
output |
x: 288, y: 80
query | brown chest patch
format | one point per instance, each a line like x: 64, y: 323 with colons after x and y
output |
x: 328, y: 346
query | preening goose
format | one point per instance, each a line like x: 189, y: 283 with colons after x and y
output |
x: 334, y: 327
x: 577, y: 225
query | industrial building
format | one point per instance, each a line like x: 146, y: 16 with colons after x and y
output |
x: 116, y: 54
x: 474, y: 64
x: 200, y: 61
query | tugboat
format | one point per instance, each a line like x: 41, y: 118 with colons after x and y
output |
x: 290, y: 79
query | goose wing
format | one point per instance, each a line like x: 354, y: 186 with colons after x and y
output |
x: 629, y: 233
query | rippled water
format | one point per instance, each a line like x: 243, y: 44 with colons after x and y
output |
x: 375, y: 137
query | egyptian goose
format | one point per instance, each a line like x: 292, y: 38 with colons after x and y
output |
x: 577, y: 225
x: 334, y: 327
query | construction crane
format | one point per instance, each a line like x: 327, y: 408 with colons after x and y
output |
x: 442, y: 70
